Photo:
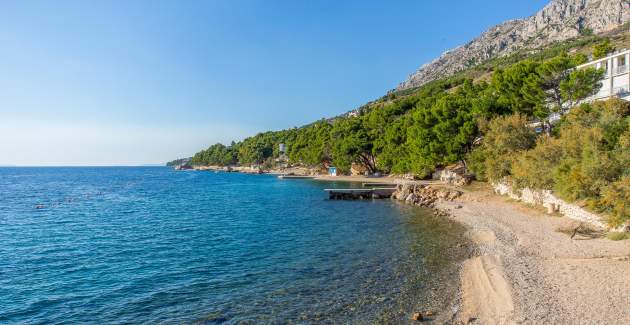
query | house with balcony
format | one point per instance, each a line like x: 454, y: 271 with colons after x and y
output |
x: 616, y: 82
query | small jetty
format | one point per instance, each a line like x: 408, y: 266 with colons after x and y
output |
x: 373, y: 185
x: 360, y: 193
x: 295, y: 177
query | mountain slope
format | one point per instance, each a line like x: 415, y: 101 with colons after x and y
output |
x: 559, y: 20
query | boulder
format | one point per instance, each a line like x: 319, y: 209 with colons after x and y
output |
x: 402, y: 192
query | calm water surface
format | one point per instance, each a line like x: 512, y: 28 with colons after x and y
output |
x: 152, y: 245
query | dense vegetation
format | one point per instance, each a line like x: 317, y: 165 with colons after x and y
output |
x: 178, y: 162
x: 434, y: 126
x: 585, y: 157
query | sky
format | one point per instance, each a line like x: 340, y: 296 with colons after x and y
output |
x: 144, y: 82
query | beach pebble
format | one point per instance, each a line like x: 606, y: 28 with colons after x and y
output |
x: 417, y: 317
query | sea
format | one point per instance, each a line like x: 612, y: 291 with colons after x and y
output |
x: 151, y: 245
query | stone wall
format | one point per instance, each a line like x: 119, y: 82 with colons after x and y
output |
x: 552, y: 203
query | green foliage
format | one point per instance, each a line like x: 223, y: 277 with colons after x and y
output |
x: 442, y: 128
x: 352, y: 142
x: 586, y: 32
x: 585, y: 157
x: 435, y: 125
x: 178, y: 162
x: 616, y: 201
x: 534, y: 168
x: 586, y: 161
x: 618, y: 236
x: 602, y: 49
x: 311, y: 145
x: 505, y: 137
x: 508, y: 85
x: 215, y: 155
x: 542, y: 89
x: 580, y: 83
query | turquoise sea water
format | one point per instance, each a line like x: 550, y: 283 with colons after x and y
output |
x: 152, y: 245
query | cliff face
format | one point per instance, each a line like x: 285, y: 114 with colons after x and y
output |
x: 559, y: 20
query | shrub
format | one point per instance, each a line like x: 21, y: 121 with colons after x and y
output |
x: 588, y: 159
x: 506, y: 136
x: 616, y: 201
x: 602, y: 49
x: 535, y: 168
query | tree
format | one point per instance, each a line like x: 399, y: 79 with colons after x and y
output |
x: 580, y: 84
x: 602, y: 49
x: 508, y: 84
x: 351, y: 144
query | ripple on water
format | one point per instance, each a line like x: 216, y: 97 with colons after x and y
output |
x: 151, y: 245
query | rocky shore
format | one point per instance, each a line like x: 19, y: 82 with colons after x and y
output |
x: 423, y: 194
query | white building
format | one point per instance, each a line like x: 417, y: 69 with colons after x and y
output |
x: 616, y: 80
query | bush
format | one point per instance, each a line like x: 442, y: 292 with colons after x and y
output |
x: 616, y: 201
x: 535, y: 168
x: 506, y: 136
x: 602, y: 49
x: 588, y: 159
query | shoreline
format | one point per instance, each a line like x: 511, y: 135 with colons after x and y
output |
x: 524, y: 270
x: 524, y: 267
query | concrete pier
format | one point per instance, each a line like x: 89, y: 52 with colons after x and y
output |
x: 360, y: 193
x: 373, y: 185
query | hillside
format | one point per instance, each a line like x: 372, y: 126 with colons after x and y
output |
x: 478, y: 117
x: 560, y: 20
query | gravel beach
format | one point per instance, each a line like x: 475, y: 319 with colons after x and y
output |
x: 525, y: 271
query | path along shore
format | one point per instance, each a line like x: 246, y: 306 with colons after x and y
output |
x: 525, y: 271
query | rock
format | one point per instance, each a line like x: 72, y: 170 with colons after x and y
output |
x: 411, y: 198
x: 558, y: 21
x: 458, y: 207
x: 463, y: 180
x: 417, y: 317
x: 403, y: 192
x: 625, y: 227
x: 429, y: 313
x: 550, y: 209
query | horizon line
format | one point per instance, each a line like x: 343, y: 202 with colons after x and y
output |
x: 79, y: 166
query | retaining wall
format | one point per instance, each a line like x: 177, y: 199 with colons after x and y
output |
x: 552, y: 203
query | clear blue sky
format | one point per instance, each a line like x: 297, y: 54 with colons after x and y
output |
x: 135, y: 82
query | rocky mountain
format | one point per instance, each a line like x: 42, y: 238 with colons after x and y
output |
x: 559, y: 20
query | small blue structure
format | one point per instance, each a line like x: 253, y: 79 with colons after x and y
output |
x: 332, y: 171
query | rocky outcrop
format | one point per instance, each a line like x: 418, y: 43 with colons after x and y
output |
x: 423, y: 195
x: 456, y: 174
x: 559, y: 20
